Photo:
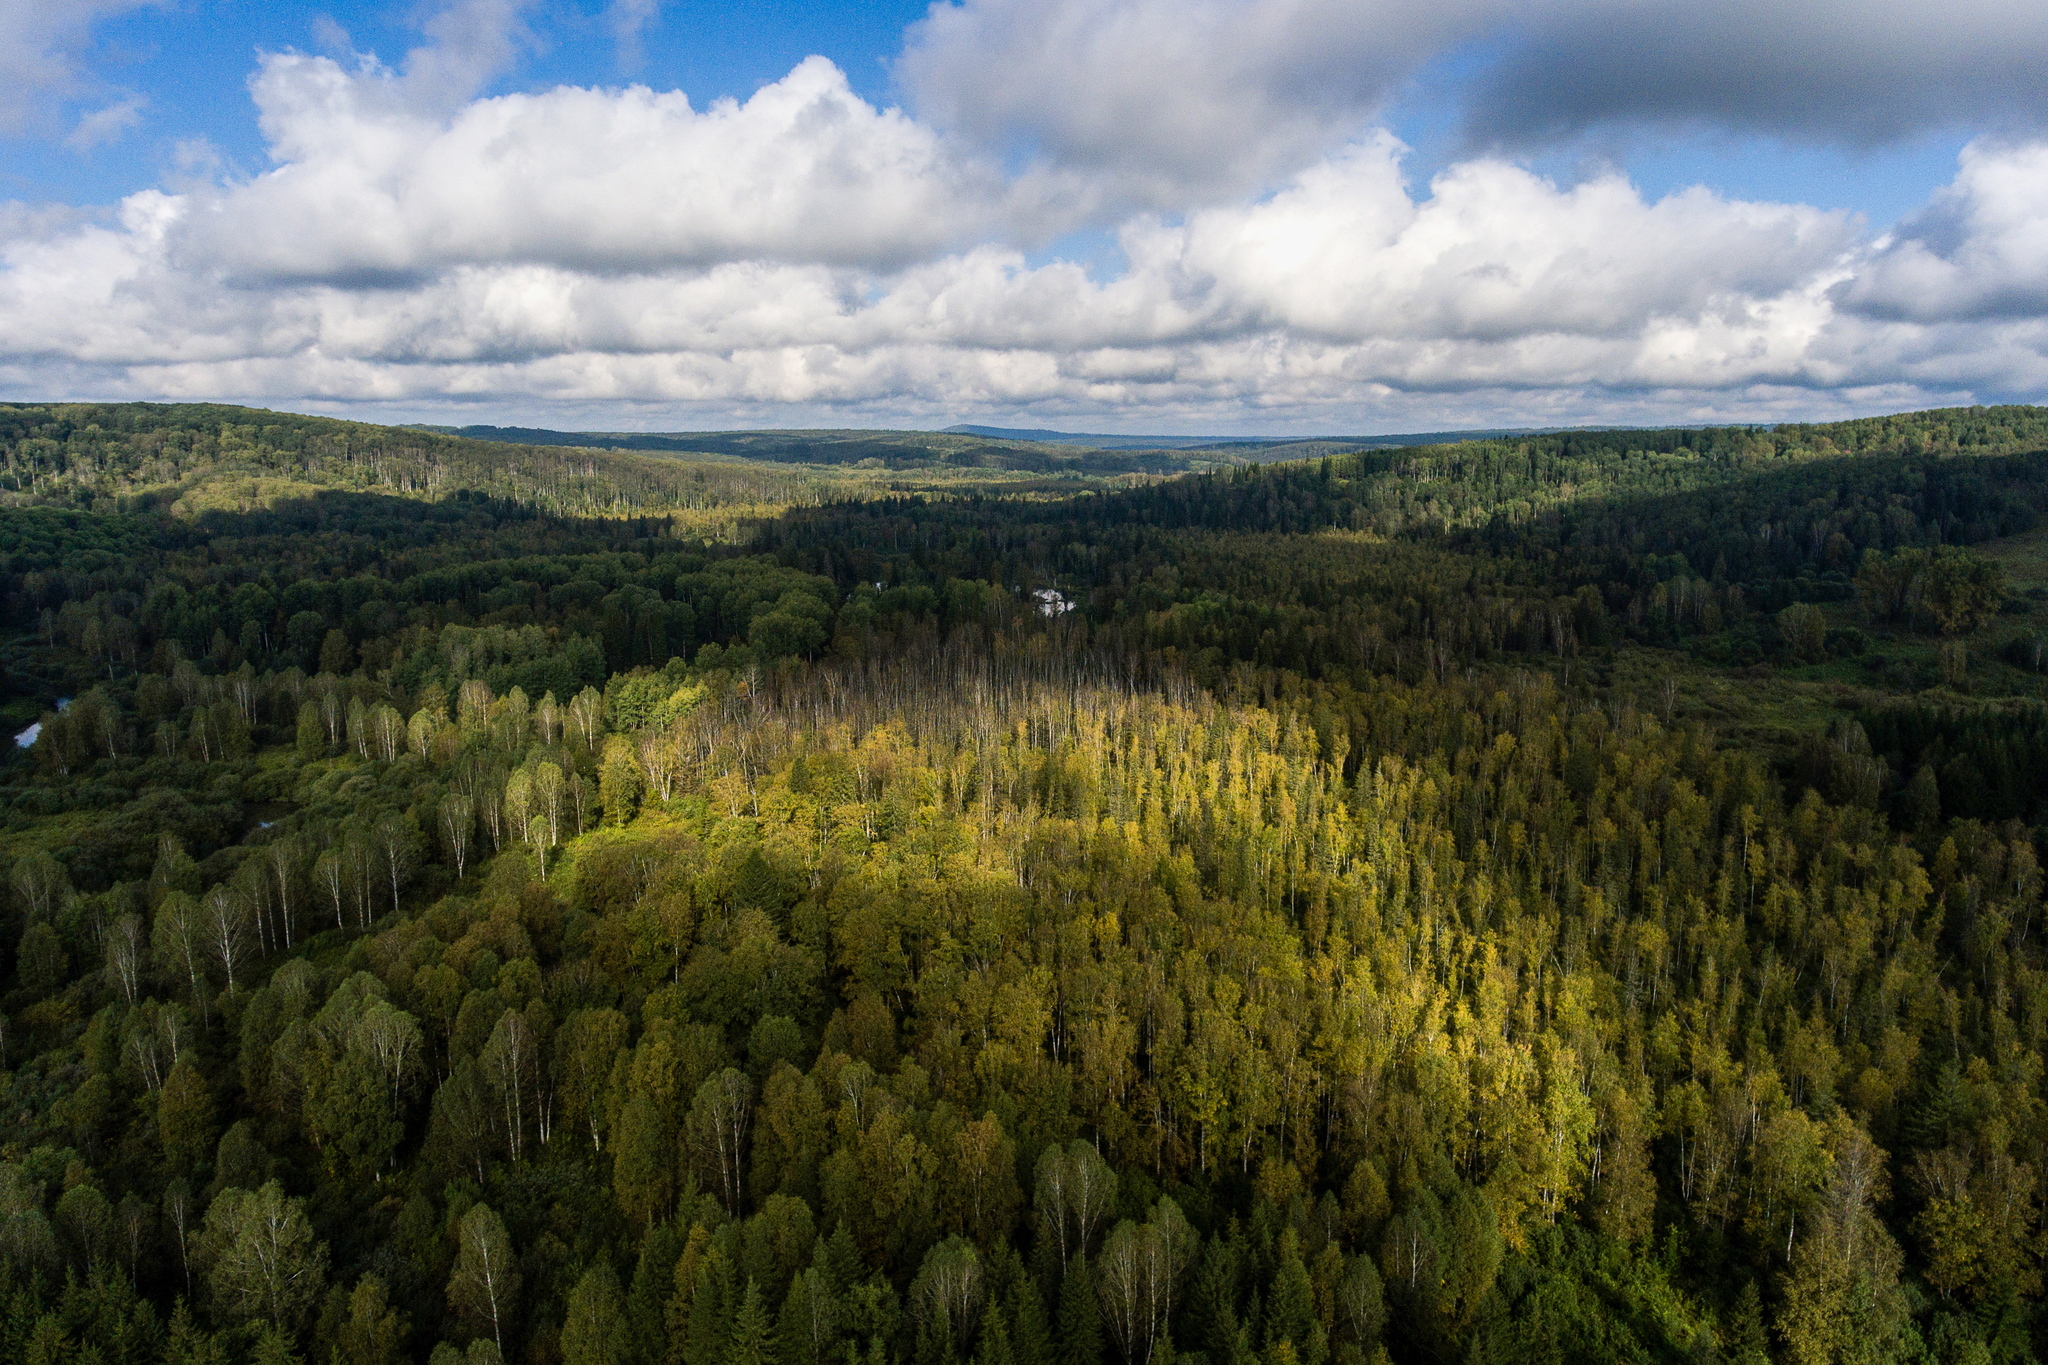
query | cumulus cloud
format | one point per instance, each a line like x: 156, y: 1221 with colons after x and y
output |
x: 1979, y: 251
x: 1494, y: 252
x: 1345, y: 291
x: 806, y: 251
x: 370, y: 187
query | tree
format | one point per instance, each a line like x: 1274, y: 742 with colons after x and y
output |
x: 224, y: 926
x: 1076, y: 1190
x: 751, y: 1342
x: 485, y: 1285
x: 984, y: 1179
x: 1842, y: 1301
x: 533, y: 809
x: 1291, y: 1308
x: 185, y: 1123
x: 1361, y: 1306
x: 1961, y: 590
x: 1138, y: 1275
x: 1804, y: 628
x: 125, y: 948
x: 550, y: 794
x: 1080, y: 1330
x: 947, y: 1295
x: 374, y: 1332
x: 809, y: 1326
x: 421, y: 731
x: 586, y: 1046
x: 179, y: 1214
x: 594, y: 1332
x: 283, y: 860
x: 586, y: 716
x: 263, y: 1262
x: 40, y: 959
x: 350, y: 1117
x: 718, y: 1132
x: 643, y: 1162
x: 458, y: 824
x: 510, y: 1063
x: 619, y: 781
x: 398, y: 842
x: 330, y: 876
x: 176, y: 943
x: 393, y: 1038
x: 337, y: 655
x: 40, y: 883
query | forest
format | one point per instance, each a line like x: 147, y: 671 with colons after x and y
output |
x: 1549, y: 898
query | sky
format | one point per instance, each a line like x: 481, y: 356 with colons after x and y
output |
x: 1173, y: 216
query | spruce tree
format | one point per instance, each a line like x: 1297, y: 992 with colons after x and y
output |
x: 752, y: 1343
x: 1080, y: 1334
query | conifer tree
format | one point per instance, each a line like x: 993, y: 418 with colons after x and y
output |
x: 1080, y: 1327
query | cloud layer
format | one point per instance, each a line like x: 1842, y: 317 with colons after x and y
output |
x: 1860, y: 72
x: 807, y: 253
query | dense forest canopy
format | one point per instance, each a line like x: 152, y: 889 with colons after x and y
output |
x: 1552, y: 898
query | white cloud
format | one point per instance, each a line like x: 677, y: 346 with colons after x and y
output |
x: 628, y: 20
x: 102, y: 126
x: 808, y: 252
x: 468, y: 43
x: 41, y: 42
x: 1979, y: 251
x: 371, y: 187
x: 1495, y: 252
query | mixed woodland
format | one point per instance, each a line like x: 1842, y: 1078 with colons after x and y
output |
x: 1556, y: 898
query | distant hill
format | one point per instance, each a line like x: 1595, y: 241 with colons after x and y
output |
x: 194, y: 457
x: 966, y: 444
x: 887, y: 449
x: 1102, y: 441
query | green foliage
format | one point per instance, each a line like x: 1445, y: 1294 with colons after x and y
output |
x: 263, y: 1260
x: 595, y: 1331
x: 1473, y: 902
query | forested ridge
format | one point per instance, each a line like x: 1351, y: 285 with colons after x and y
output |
x: 1563, y: 898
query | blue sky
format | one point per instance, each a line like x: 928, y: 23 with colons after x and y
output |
x: 1129, y: 214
